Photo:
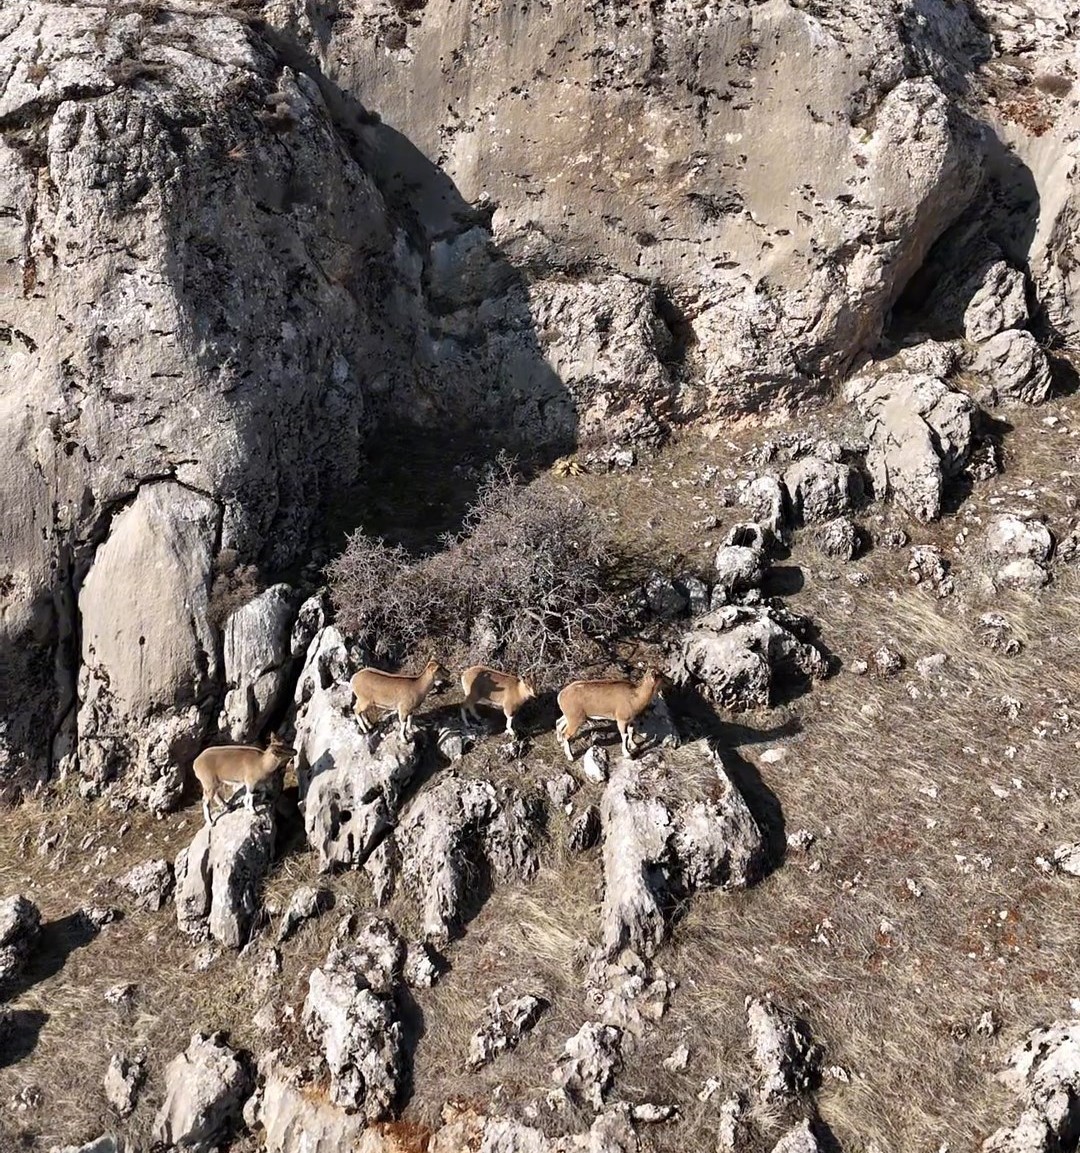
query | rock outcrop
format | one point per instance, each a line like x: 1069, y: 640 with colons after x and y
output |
x: 20, y: 923
x: 659, y: 846
x: 351, y: 1014
x: 1018, y: 549
x: 509, y: 1015
x: 740, y: 654
x: 205, y: 1090
x: 219, y: 876
x: 786, y: 1057
x: 257, y: 655
x: 1044, y: 1072
x: 123, y: 1079
x: 151, y: 884
x: 461, y: 826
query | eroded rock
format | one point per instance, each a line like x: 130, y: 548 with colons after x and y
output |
x: 788, y: 1061
x: 205, y: 1090
x: 151, y: 884
x: 1018, y: 550
x: 305, y: 904
x: 590, y: 1059
x: 123, y: 1080
x: 257, y: 655
x: 738, y: 569
x: 509, y: 1015
x: 219, y: 876
x: 20, y: 924
x: 821, y: 490
x: 838, y: 538
x: 1016, y: 367
x: 739, y: 654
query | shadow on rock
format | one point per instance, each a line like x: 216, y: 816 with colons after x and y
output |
x: 57, y: 941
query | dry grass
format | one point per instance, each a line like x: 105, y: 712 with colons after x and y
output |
x: 895, y: 777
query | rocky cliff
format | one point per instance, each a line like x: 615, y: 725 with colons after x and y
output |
x: 235, y: 240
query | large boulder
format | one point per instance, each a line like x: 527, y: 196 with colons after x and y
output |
x: 1044, y: 1072
x: 997, y: 302
x: 219, y: 876
x: 205, y: 1090
x: 1015, y: 366
x: 738, y: 655
x: 1017, y: 550
x: 663, y: 842
x: 257, y: 655
x: 149, y: 655
x: 821, y: 490
x: 351, y: 1013
x: 20, y: 923
x: 921, y: 434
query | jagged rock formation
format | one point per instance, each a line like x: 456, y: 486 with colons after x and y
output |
x: 786, y: 1057
x: 1044, y: 1072
x: 151, y: 884
x: 205, y: 1090
x: 454, y: 827
x: 257, y: 655
x: 219, y: 876
x: 20, y: 923
x: 350, y: 1012
x: 123, y: 1079
x: 1017, y: 550
x: 739, y: 654
x: 509, y: 1015
x: 658, y: 846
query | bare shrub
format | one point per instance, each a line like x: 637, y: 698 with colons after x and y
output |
x: 524, y: 583
x: 234, y: 585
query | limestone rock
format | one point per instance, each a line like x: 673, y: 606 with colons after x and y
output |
x: 739, y: 653
x: 657, y: 846
x: 219, y: 876
x: 351, y: 783
x: 738, y: 569
x: 454, y: 826
x: 20, y: 923
x: 509, y: 1015
x: 296, y: 1121
x: 584, y: 830
x: 929, y: 567
x: 1016, y: 367
x: 151, y: 884
x: 149, y: 656
x: 1044, y: 1072
x: 590, y: 1059
x: 696, y: 592
x: 821, y: 490
x: 205, y: 1090
x: 1017, y: 550
x: 358, y: 1031
x: 921, y: 433
x: 1067, y: 858
x: 764, y: 498
x: 997, y: 302
x: 123, y: 1079
x: 257, y: 654
x: 787, y: 1059
x: 838, y: 538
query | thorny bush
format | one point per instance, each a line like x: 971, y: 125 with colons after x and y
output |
x: 524, y: 583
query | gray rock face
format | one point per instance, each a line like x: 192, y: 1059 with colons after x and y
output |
x: 921, y: 433
x: 1016, y: 366
x: 738, y: 653
x: 149, y: 657
x: 205, y: 1090
x: 20, y: 923
x: 998, y: 302
x: 220, y: 875
x: 358, y: 1031
x: 123, y: 1079
x: 455, y: 826
x: 1017, y: 550
x: 738, y: 569
x: 509, y: 1015
x: 294, y: 1121
x: 151, y: 884
x: 665, y: 598
x: 257, y: 654
x: 763, y: 497
x: 590, y: 1059
x: 351, y: 783
x: 821, y: 490
x: 1044, y: 1072
x: 696, y: 229
x: 656, y: 848
x: 787, y: 1059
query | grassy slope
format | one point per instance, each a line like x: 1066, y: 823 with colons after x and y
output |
x: 894, y: 778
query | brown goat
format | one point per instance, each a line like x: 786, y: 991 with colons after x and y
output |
x: 616, y: 700
x: 394, y: 691
x: 238, y: 765
x: 503, y: 690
